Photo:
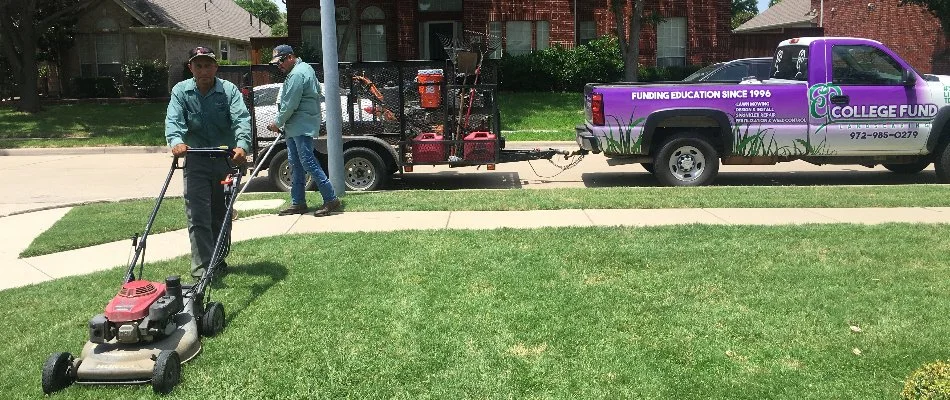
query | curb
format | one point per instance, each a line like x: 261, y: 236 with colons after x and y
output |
x: 47, y: 151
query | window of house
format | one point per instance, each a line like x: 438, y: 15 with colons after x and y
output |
x: 671, y: 42
x: 312, y: 38
x: 542, y: 34
x: 223, y: 50
x: 494, y: 31
x: 518, y: 37
x: 864, y: 65
x: 310, y: 31
x: 440, y: 5
x: 100, y: 54
x: 373, y: 34
x: 586, y: 32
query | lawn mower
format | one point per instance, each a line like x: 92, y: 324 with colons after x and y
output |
x: 150, y: 328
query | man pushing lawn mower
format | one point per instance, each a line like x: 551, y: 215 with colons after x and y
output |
x: 151, y: 327
x: 206, y: 112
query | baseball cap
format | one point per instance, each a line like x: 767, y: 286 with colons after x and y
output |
x: 281, y: 51
x: 201, y: 51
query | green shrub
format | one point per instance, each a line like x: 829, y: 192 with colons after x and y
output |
x: 932, y: 381
x: 103, y: 86
x: 146, y: 78
x: 561, y: 69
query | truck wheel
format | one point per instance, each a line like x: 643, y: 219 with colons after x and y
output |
x: 58, y: 372
x: 167, y: 372
x: 363, y: 169
x: 686, y: 159
x: 942, y: 162
x: 279, y: 173
x: 912, y: 168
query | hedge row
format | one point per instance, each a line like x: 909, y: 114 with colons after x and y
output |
x: 560, y: 69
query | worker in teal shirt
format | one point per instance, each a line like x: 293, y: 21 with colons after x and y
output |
x: 298, y: 114
x: 205, y: 111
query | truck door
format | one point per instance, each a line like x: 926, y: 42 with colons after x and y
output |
x: 869, y: 106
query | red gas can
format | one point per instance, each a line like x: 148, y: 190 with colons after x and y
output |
x: 480, y: 146
x: 428, y: 147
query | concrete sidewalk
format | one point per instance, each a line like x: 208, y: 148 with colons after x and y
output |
x: 19, y: 230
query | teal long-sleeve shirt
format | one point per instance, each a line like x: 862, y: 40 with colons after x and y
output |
x: 298, y: 112
x: 219, y: 118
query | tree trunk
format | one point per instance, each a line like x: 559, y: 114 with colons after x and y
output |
x: 23, y: 39
x: 629, y: 22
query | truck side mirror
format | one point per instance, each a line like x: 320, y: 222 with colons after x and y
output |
x: 907, y: 78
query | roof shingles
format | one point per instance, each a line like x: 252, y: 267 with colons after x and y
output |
x: 784, y: 14
x: 222, y: 18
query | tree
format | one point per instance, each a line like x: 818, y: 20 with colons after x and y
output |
x: 742, y: 11
x: 265, y: 10
x: 280, y: 28
x: 23, y: 23
x: 774, y: 2
x: 939, y: 9
x: 628, y: 15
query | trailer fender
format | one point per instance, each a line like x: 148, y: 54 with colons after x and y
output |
x: 717, y: 119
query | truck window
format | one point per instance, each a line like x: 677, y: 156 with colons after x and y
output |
x: 863, y: 65
x: 733, y: 72
x: 791, y: 62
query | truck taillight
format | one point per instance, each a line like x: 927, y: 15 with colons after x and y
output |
x: 597, y: 108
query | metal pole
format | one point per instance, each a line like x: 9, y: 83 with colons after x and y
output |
x: 331, y: 78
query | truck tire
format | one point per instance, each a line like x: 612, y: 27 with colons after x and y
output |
x: 686, y: 159
x: 363, y: 169
x: 279, y: 173
x: 648, y: 167
x: 942, y: 162
x: 911, y: 168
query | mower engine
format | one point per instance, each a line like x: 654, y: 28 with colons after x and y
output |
x: 143, y: 311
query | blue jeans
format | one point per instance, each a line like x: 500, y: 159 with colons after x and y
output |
x: 301, y: 158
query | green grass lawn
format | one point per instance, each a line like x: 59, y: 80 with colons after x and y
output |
x: 84, y: 125
x: 693, y: 311
x: 540, y: 116
x: 532, y: 116
x: 99, y: 223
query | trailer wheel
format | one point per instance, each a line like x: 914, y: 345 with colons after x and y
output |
x: 279, y: 173
x: 167, y: 372
x: 58, y: 372
x: 363, y: 169
x: 686, y: 159
x: 911, y: 168
x: 212, y: 322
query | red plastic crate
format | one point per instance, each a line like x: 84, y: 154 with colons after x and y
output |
x: 480, y: 147
x: 428, y: 147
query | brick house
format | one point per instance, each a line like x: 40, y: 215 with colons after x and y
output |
x: 694, y: 31
x: 114, y: 32
x: 911, y: 31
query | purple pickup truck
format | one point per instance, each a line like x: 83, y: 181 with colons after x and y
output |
x: 827, y: 101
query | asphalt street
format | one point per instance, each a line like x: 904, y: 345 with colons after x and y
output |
x: 31, y: 181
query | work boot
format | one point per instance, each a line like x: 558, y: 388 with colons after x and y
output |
x: 333, y: 206
x: 294, y: 209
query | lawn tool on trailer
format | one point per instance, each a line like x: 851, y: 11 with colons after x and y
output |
x: 150, y: 328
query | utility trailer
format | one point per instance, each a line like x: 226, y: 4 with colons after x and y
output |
x: 397, y: 115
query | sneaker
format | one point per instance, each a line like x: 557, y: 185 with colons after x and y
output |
x: 294, y: 209
x: 331, y: 207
